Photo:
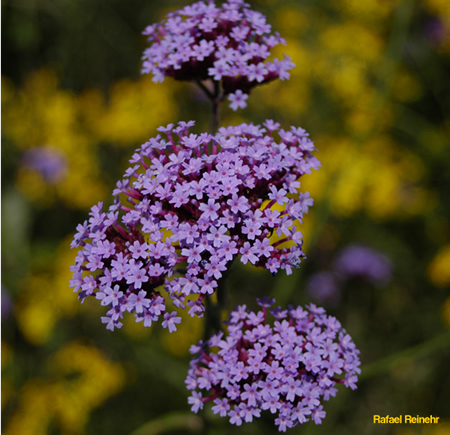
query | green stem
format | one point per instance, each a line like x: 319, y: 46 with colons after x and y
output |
x: 213, y: 311
x: 389, y: 362
x: 215, y: 114
x: 208, y: 93
x: 212, y: 318
x: 216, y: 98
x: 169, y: 422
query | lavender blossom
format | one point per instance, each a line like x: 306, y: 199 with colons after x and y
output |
x: 361, y: 261
x: 323, y: 287
x: 435, y: 30
x: 187, y: 207
x: 47, y: 161
x: 287, y: 368
x: 229, y: 44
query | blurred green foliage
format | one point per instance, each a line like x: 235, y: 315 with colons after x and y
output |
x: 372, y: 86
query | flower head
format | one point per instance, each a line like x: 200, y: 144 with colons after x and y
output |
x: 228, y: 44
x: 361, y: 261
x: 187, y: 207
x: 47, y: 161
x: 323, y: 287
x: 287, y: 368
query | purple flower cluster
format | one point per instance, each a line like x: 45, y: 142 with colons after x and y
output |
x: 323, y: 287
x: 47, y: 161
x: 354, y: 261
x: 364, y: 262
x: 287, y: 368
x: 228, y: 44
x: 188, y: 205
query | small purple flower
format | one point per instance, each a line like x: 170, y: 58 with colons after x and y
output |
x: 238, y: 100
x: 196, y: 401
x: 297, y: 368
x: 222, y: 407
x: 229, y: 44
x: 170, y: 320
x: 435, y: 30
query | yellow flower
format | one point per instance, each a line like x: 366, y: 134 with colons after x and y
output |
x: 439, y: 268
x: 46, y: 298
x: 292, y: 20
x: 82, y: 379
x: 406, y: 87
x: 376, y: 176
x: 339, y: 39
x: 134, y: 110
x: 371, y: 11
x: 440, y: 7
x: 135, y: 330
x: 34, y: 412
x: 289, y: 99
x: 41, y: 114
